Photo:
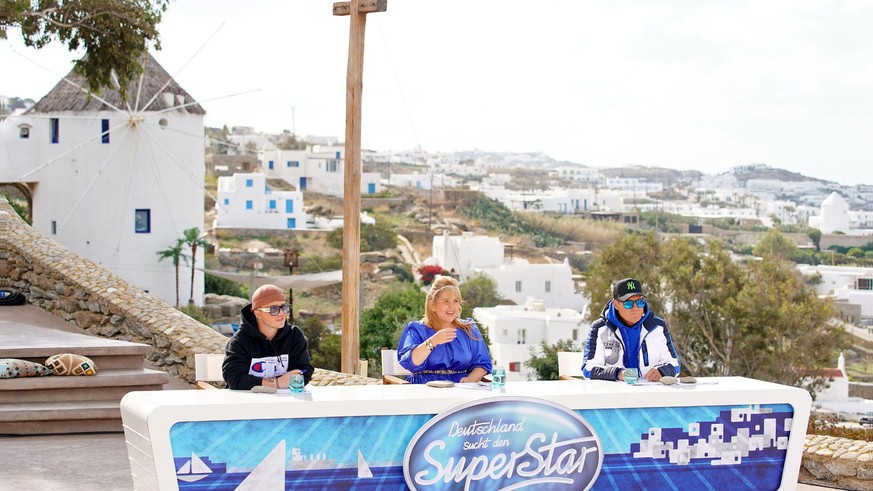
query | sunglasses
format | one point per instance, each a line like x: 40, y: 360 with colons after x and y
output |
x: 275, y: 309
x: 629, y: 304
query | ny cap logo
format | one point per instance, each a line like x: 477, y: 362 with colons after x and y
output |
x: 631, y: 286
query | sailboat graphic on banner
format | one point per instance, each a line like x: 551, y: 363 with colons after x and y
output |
x: 363, y: 469
x: 193, y: 470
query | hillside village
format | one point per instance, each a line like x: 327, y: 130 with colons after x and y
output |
x: 270, y: 209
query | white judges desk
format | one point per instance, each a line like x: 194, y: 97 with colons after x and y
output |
x: 722, y: 433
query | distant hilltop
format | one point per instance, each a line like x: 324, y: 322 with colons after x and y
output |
x: 743, y: 174
x: 657, y: 174
x: 763, y: 171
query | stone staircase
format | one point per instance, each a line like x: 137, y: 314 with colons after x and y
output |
x: 56, y: 404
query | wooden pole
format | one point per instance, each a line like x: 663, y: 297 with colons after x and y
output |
x: 357, y: 11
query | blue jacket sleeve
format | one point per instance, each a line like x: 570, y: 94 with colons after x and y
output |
x: 481, y: 357
x: 670, y: 369
x: 409, y: 340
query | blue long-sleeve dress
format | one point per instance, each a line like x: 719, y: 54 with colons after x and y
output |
x: 449, y: 361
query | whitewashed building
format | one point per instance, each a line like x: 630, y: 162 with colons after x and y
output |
x: 245, y: 201
x: 566, y: 201
x: 462, y: 254
x: 849, y: 284
x: 634, y: 185
x: 318, y: 168
x: 834, y: 215
x: 245, y: 141
x: 420, y: 180
x: 837, y: 389
x: 516, y: 329
x: 516, y: 279
x: 835, y: 397
x: 115, y: 181
x: 577, y: 173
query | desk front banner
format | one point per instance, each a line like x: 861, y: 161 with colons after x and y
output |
x: 492, y: 443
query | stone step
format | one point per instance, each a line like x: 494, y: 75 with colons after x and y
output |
x: 106, y: 385
x: 60, y: 410
x: 35, y: 343
x: 111, y: 361
x: 60, y: 417
x: 80, y: 394
x: 58, y: 427
x: 107, y: 378
x: 67, y: 404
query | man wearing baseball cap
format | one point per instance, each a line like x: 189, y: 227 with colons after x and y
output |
x: 628, y: 335
x: 266, y: 349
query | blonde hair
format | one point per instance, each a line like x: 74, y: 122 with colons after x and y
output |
x: 444, y: 284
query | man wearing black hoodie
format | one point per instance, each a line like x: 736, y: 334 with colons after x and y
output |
x: 266, y: 349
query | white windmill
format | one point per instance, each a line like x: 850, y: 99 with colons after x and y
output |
x: 114, y: 180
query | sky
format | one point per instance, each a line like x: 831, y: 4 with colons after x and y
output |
x: 684, y: 84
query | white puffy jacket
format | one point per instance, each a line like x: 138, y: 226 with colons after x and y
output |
x: 604, y: 351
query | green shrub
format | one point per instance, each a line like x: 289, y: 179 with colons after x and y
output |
x: 318, y: 264
x: 497, y: 217
x: 827, y: 425
x: 221, y: 286
x: 18, y: 209
x: 196, y: 313
x: 376, y: 237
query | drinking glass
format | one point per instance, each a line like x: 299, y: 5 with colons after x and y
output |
x: 630, y: 376
x: 296, y: 382
x: 498, y: 377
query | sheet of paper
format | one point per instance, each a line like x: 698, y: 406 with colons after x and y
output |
x: 643, y: 381
x: 703, y: 381
x: 474, y: 385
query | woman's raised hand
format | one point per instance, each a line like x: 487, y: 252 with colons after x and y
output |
x: 443, y: 336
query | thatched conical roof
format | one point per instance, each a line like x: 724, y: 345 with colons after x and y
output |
x: 68, y: 97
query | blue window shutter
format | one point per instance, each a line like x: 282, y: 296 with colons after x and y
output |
x: 270, y: 165
x: 292, y: 223
x: 289, y: 206
x: 248, y: 204
x: 248, y: 183
x: 226, y: 201
x: 142, y: 221
x: 272, y: 204
x: 55, y: 124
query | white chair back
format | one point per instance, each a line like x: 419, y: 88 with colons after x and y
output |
x: 390, y: 366
x: 570, y: 363
x: 207, y: 367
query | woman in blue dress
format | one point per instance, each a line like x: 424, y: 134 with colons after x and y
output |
x: 441, y: 346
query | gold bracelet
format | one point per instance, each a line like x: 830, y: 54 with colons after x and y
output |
x: 428, y: 345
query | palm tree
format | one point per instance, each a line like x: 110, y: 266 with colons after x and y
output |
x: 175, y: 253
x: 192, y: 238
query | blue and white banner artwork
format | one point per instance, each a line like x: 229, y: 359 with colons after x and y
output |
x: 497, y: 443
x: 504, y: 443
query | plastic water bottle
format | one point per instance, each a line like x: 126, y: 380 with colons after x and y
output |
x: 498, y: 377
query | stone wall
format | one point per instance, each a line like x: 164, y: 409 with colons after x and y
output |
x: 860, y: 389
x: 837, y: 462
